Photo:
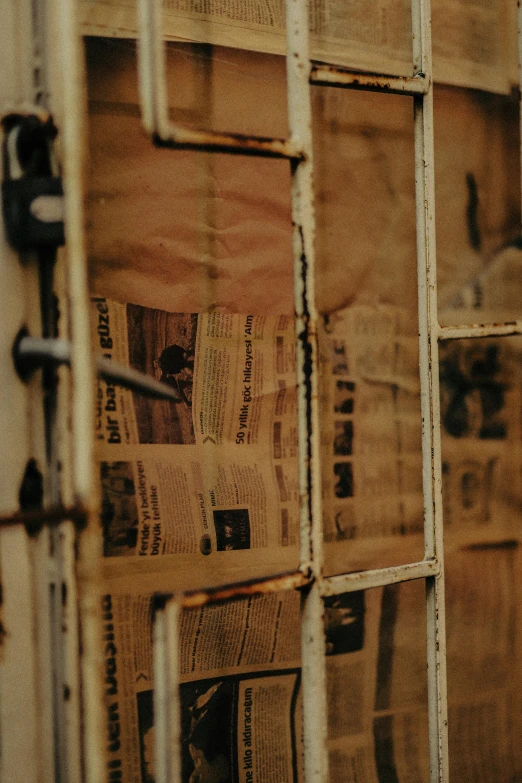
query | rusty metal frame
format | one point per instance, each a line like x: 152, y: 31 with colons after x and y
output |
x: 301, y: 73
x: 332, y: 76
x: 80, y: 502
x: 310, y: 579
x: 154, y: 103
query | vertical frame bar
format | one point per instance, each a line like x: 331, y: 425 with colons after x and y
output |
x: 69, y: 105
x: 26, y: 735
x: 303, y: 220
x: 167, y: 716
x: 152, y: 68
x: 429, y: 380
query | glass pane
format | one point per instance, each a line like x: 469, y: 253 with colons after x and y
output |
x: 478, y: 207
x: 484, y: 676
x: 481, y: 430
x: 363, y: 35
x: 367, y: 292
x: 239, y: 689
x: 188, y: 231
x: 377, y: 697
x: 481, y: 385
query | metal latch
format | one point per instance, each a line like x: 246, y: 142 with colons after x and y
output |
x: 32, y: 193
x: 31, y: 353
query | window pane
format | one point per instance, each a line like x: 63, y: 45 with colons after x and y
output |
x: 191, y: 268
x: 484, y: 664
x: 239, y: 689
x: 477, y: 159
x: 367, y: 292
x: 481, y: 429
x: 480, y: 415
x: 376, y: 670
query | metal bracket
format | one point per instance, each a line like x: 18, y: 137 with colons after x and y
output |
x: 52, y: 516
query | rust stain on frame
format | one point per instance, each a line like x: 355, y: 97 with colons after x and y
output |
x: 293, y: 580
x: 332, y: 76
x: 178, y: 137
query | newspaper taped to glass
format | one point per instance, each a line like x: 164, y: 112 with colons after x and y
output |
x: 239, y: 690
x: 240, y: 696
x: 371, y: 430
x: 371, y: 438
x: 240, y: 660
x: 481, y: 407
x: 208, y: 481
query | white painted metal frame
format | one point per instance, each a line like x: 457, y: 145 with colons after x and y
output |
x: 301, y: 72
x: 24, y: 667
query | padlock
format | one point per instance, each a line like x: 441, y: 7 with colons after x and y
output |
x: 32, y: 197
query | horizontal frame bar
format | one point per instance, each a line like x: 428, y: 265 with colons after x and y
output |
x: 379, y: 577
x: 298, y: 580
x: 480, y: 330
x: 178, y: 137
x: 332, y: 76
x: 293, y: 580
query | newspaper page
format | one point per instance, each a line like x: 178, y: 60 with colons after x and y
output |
x: 371, y: 450
x: 377, y: 718
x: 377, y: 692
x: 240, y: 661
x: 481, y: 385
x: 240, y: 687
x: 239, y: 690
x: 375, y: 642
x: 240, y: 681
x: 208, y: 484
x: 472, y: 45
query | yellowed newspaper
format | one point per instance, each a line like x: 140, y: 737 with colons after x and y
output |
x: 378, y: 727
x: 240, y: 681
x: 472, y: 42
x: 208, y: 483
x: 239, y: 690
x: 371, y: 449
x: 240, y: 661
x: 375, y: 643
